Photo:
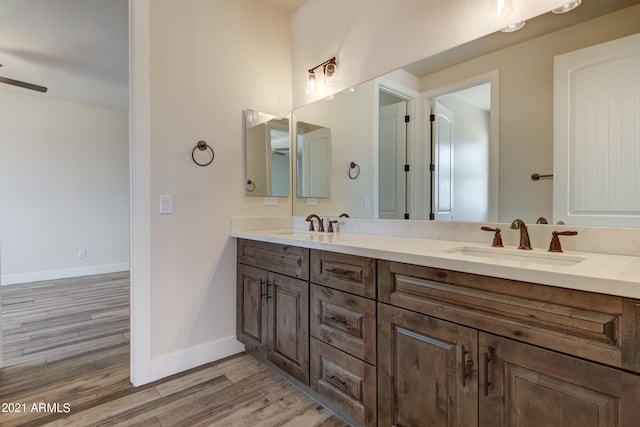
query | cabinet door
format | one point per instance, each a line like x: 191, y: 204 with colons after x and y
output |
x: 251, y: 313
x: 526, y: 386
x: 289, y: 325
x: 426, y: 371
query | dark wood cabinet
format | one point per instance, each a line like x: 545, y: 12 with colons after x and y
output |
x: 345, y: 321
x: 522, y: 366
x: 348, y: 273
x: 343, y: 330
x: 392, y: 344
x: 272, y: 313
x: 427, y: 371
x: 288, y: 325
x: 251, y: 308
x: 344, y: 380
x: 526, y: 386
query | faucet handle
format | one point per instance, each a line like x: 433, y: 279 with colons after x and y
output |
x: 555, y: 241
x: 497, y: 238
x: 310, y: 221
x: 331, y: 222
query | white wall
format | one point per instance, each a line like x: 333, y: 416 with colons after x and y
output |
x: 372, y: 37
x: 199, y: 65
x: 64, y: 186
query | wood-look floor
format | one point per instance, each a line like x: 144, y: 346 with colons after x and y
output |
x: 66, y: 344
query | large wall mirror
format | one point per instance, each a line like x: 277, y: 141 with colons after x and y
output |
x: 492, y: 101
x: 267, y: 155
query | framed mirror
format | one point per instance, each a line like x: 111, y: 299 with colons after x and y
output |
x: 520, y: 123
x: 267, y: 147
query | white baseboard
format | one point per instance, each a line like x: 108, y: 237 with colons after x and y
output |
x: 37, y: 276
x: 193, y: 357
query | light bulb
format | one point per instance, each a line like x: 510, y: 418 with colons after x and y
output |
x: 330, y: 76
x: 567, y: 7
x: 513, y: 27
x: 501, y: 8
x: 311, y: 83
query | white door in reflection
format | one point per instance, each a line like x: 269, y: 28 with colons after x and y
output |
x: 392, y: 146
x: 315, y: 160
x: 460, y: 182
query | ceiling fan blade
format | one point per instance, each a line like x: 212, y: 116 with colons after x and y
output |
x: 25, y: 85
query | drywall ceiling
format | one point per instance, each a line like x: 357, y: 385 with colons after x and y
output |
x: 535, y: 27
x: 78, y: 49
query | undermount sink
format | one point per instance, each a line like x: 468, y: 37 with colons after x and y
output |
x: 517, y: 255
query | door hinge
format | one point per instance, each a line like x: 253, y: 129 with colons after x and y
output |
x: 432, y: 216
x: 432, y: 117
x: 407, y: 118
x: 406, y: 216
x: 432, y: 168
x: 406, y: 168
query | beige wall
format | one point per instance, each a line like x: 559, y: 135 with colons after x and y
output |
x: 372, y: 37
x: 199, y: 65
x: 526, y: 107
x: 64, y: 186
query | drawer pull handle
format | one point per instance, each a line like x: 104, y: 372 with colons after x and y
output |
x: 337, y: 381
x: 339, y: 271
x: 466, y: 364
x: 488, y: 356
x: 338, y: 321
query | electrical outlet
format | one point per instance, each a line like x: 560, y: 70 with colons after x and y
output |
x: 270, y: 201
x: 312, y: 201
x: 82, y: 253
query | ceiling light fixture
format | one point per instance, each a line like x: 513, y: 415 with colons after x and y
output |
x: 329, y: 68
x: 513, y: 27
x: 567, y: 7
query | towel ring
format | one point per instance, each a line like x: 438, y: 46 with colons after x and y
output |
x: 251, y: 186
x: 202, y: 146
x: 354, y: 170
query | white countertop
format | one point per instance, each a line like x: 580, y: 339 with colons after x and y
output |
x: 602, y: 273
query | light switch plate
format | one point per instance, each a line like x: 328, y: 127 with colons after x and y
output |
x: 166, y: 204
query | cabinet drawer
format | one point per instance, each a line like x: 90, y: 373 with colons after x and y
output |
x: 349, y: 273
x: 345, y: 321
x: 347, y: 382
x: 288, y: 260
x: 598, y: 327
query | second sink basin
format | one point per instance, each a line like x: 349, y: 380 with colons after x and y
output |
x: 522, y: 256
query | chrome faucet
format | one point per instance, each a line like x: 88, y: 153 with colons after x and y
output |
x: 320, y: 222
x: 519, y: 224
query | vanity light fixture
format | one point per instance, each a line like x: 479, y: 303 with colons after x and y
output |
x: 566, y: 7
x: 513, y: 27
x: 329, y: 68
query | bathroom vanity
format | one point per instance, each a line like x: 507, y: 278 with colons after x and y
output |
x: 431, y: 335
